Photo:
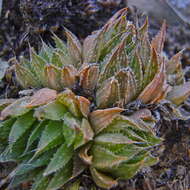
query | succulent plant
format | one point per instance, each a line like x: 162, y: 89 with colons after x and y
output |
x: 77, y: 119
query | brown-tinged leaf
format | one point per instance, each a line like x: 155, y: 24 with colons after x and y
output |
x: 78, y: 166
x: 122, y: 122
x: 25, y: 77
x: 74, y: 47
x: 68, y: 98
x: 94, y: 47
x: 15, y: 109
x: 117, y: 60
x: 111, y: 35
x: 100, y: 119
x: 143, y: 31
x: 68, y: 76
x: 137, y: 66
x: 104, y: 159
x: 53, y: 77
x: 84, y: 134
x: 88, y: 78
x: 5, y: 102
x: 153, y: 89
x: 88, y: 133
x: 144, y: 45
x: 84, y: 105
x: 151, y: 68
x: 41, y: 97
x: 162, y: 94
x: 158, y: 42
x: 174, y: 70
x: 179, y: 93
x: 52, y: 111
x: 89, y: 48
x: 174, y: 64
x: 102, y: 180
x: 83, y: 154
x: 118, y: 15
x: 109, y: 45
x: 127, y: 85
x: 144, y: 114
x: 108, y: 94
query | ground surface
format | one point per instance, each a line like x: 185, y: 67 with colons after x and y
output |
x: 17, y: 28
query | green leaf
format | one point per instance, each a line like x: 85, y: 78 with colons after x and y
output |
x: 149, y: 137
x: 51, y: 137
x: 52, y: 111
x: 36, y: 133
x: 104, y: 159
x: 17, y: 180
x: 41, y: 183
x: 110, y: 44
x: 27, y: 167
x: 128, y: 169
x: 112, y: 139
x: 38, y: 64
x: 15, y: 151
x: 151, y: 68
x: 102, y: 180
x: 60, y: 44
x: 22, y: 124
x: 115, y: 61
x: 46, y: 52
x: 5, y: 128
x: 61, y: 177
x: 68, y: 99
x: 69, y: 130
x: 57, y: 59
x: 60, y: 159
x: 137, y: 67
x: 83, y: 134
x: 75, y: 185
x: 26, y: 77
x: 86, y: 132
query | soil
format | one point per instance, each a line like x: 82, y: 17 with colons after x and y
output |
x: 24, y: 21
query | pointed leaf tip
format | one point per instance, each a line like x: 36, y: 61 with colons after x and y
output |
x: 158, y: 41
x: 102, y: 180
x: 100, y: 119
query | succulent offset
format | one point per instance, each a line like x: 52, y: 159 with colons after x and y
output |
x: 76, y: 119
